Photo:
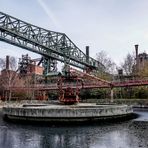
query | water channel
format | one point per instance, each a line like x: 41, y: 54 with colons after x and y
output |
x: 128, y: 134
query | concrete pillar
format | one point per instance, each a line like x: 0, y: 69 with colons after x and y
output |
x: 112, y: 95
x: 44, y: 95
x: 9, y: 95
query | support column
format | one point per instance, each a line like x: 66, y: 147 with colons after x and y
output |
x: 44, y: 95
x: 50, y: 65
x: 112, y: 95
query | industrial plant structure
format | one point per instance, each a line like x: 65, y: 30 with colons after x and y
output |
x: 37, y: 77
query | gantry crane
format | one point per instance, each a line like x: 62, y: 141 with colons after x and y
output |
x: 52, y: 46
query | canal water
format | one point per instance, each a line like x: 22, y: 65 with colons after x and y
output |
x: 129, y: 134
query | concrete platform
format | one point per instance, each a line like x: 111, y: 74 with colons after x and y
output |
x: 66, y: 113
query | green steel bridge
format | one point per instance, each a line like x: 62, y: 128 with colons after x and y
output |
x: 50, y: 44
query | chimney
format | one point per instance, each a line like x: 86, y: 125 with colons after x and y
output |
x: 136, y: 49
x: 87, y: 54
x: 7, y: 62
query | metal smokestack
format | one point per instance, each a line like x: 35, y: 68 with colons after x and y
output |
x: 87, y: 54
x: 136, y: 49
x: 7, y: 62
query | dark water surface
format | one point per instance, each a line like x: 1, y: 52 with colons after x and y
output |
x: 129, y: 134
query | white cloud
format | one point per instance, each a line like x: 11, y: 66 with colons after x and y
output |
x: 49, y: 13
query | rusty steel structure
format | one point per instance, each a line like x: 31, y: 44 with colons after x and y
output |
x: 69, y: 94
x: 55, y: 46
x: 88, y: 82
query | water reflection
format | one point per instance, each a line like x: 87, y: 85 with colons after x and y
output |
x: 15, y: 138
x: 132, y: 134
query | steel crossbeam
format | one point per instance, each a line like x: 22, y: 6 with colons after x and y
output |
x: 47, y: 43
x: 44, y: 87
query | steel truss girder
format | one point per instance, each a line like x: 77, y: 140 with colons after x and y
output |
x: 50, y: 44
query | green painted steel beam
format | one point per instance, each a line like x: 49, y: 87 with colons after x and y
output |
x: 47, y: 43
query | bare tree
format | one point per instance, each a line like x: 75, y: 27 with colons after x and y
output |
x: 8, y: 76
x: 2, y: 63
x: 110, y: 66
x: 128, y: 64
x: 13, y: 63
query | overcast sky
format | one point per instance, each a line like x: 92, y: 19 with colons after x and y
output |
x: 114, y: 26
